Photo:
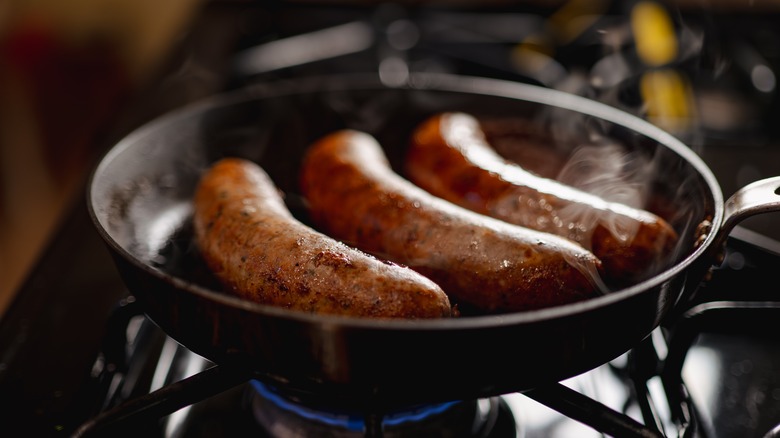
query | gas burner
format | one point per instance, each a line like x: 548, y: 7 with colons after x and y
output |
x: 282, y: 416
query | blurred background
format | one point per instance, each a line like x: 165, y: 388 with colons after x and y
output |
x: 68, y: 71
x: 76, y: 76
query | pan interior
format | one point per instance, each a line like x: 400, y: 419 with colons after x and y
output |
x: 141, y: 192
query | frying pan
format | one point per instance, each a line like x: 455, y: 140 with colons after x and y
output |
x: 139, y: 198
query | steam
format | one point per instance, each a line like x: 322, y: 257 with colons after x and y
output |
x: 586, y: 267
x: 606, y: 170
x: 601, y: 170
x: 600, y: 183
x: 605, y: 180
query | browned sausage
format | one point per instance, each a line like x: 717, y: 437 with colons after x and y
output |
x: 255, y: 246
x: 449, y: 157
x: 481, y: 262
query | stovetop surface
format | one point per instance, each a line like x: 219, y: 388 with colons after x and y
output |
x: 51, y: 382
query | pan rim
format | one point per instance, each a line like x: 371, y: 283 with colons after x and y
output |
x: 434, y: 82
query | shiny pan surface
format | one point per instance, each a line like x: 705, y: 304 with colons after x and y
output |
x: 140, y: 200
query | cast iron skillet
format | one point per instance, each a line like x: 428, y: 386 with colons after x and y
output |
x: 139, y: 199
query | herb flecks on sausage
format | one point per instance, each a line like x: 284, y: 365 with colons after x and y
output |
x: 255, y: 246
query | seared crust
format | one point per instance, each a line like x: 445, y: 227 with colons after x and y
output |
x: 254, y: 245
x: 449, y: 157
x: 481, y: 262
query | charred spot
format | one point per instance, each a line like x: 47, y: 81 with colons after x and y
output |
x: 304, y: 290
x: 412, y: 235
x: 275, y: 279
x: 218, y: 213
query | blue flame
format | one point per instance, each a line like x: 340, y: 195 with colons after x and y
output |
x: 352, y: 422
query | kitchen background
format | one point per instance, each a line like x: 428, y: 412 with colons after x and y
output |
x: 68, y: 71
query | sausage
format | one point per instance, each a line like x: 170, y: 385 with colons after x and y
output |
x: 449, y: 156
x: 482, y: 263
x: 261, y: 252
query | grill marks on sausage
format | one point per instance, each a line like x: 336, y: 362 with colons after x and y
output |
x: 260, y: 252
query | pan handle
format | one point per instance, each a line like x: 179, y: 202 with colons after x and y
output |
x: 762, y: 196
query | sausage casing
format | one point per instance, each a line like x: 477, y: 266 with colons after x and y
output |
x: 449, y: 157
x: 482, y: 263
x: 255, y: 246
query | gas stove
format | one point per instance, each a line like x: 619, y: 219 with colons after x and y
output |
x: 710, y: 372
x: 79, y: 357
